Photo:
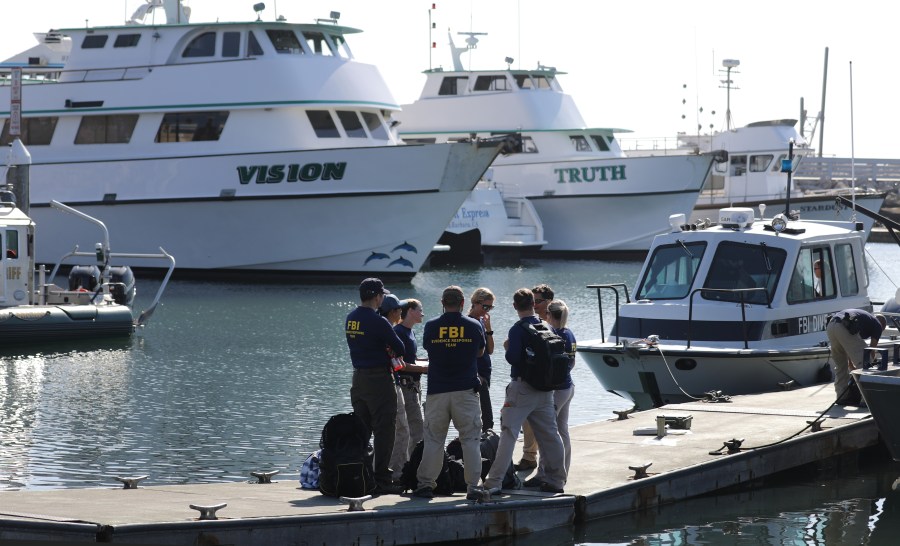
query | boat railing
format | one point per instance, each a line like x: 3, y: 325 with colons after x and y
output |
x: 841, y: 169
x: 112, y: 73
x: 615, y: 289
x: 741, y: 292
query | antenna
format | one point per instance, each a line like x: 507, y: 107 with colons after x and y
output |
x: 729, y: 64
x: 852, y: 152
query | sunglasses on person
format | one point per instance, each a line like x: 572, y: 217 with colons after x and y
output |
x: 485, y: 306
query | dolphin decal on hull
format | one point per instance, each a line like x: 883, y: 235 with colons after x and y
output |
x: 376, y: 256
x: 401, y: 261
x: 405, y: 246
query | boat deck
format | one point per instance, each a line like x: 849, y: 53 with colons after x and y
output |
x: 774, y: 428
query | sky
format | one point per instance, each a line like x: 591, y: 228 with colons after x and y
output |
x: 653, y: 67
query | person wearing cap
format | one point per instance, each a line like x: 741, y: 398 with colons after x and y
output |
x: 410, y: 376
x: 543, y: 295
x: 453, y: 342
x: 372, y: 393
x: 391, y: 309
x: 524, y: 402
x: 847, y: 331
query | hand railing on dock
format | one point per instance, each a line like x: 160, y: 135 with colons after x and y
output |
x: 615, y: 289
x: 741, y: 292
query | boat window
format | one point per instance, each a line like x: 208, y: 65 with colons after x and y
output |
x: 201, y: 46
x: 253, y: 47
x: 317, y: 43
x: 352, y: 126
x: 671, y: 270
x: 12, y: 244
x: 116, y: 129
x: 600, y: 142
x: 542, y: 82
x: 846, y: 269
x: 738, y: 165
x: 284, y: 41
x: 231, y: 44
x: 191, y: 126
x: 94, y: 41
x: 776, y: 167
x: 523, y: 81
x: 580, y: 143
x: 341, y: 47
x: 323, y: 123
x: 35, y: 131
x: 453, y: 85
x: 759, y: 163
x: 813, y: 277
x: 491, y: 83
x: 528, y: 145
x: 737, y: 266
x: 419, y: 140
x: 376, y: 127
x: 127, y: 40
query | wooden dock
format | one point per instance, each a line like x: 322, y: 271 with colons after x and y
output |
x: 774, y: 428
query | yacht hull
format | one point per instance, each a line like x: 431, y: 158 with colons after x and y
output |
x: 651, y: 378
x: 881, y: 392
x: 219, y: 212
x: 600, y: 215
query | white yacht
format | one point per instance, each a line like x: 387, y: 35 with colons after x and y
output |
x: 732, y: 307
x: 586, y: 192
x: 753, y: 175
x: 243, y: 148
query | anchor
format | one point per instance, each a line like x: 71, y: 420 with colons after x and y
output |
x: 208, y: 512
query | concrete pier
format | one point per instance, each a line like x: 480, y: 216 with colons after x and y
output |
x: 774, y: 428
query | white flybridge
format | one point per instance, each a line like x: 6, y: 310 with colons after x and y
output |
x: 586, y: 192
x: 256, y: 147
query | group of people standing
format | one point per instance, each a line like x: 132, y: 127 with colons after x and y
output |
x: 387, y: 396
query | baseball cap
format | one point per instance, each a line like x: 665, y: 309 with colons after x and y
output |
x: 371, y: 287
x: 390, y: 303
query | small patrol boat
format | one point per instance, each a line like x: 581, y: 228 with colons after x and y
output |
x: 731, y: 307
x: 96, y: 303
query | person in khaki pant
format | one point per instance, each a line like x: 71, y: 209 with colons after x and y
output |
x: 543, y: 295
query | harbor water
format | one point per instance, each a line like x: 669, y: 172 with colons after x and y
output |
x: 230, y: 378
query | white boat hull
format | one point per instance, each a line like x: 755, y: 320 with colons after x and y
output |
x: 602, y: 215
x: 214, y: 216
x: 651, y: 380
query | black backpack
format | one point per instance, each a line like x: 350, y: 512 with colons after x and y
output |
x: 545, y: 365
x: 345, y: 466
x: 408, y: 478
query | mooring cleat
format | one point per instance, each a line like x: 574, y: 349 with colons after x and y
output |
x: 640, y: 471
x: 130, y: 483
x: 356, y: 503
x: 623, y: 414
x: 815, y: 426
x: 734, y: 445
x: 788, y: 385
x: 208, y: 512
x: 264, y: 477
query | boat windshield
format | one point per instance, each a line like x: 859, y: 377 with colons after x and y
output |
x: 670, y: 272
x: 740, y: 265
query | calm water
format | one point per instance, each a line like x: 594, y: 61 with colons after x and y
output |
x: 231, y: 378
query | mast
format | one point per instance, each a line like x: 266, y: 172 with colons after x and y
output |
x: 822, y: 113
x: 729, y: 64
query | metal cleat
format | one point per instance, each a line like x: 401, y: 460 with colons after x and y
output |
x: 734, y: 445
x: 356, y: 503
x: 788, y: 385
x: 815, y: 426
x: 715, y: 396
x: 484, y: 496
x: 640, y: 471
x: 130, y: 483
x: 208, y: 512
x: 623, y: 414
x: 264, y: 477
